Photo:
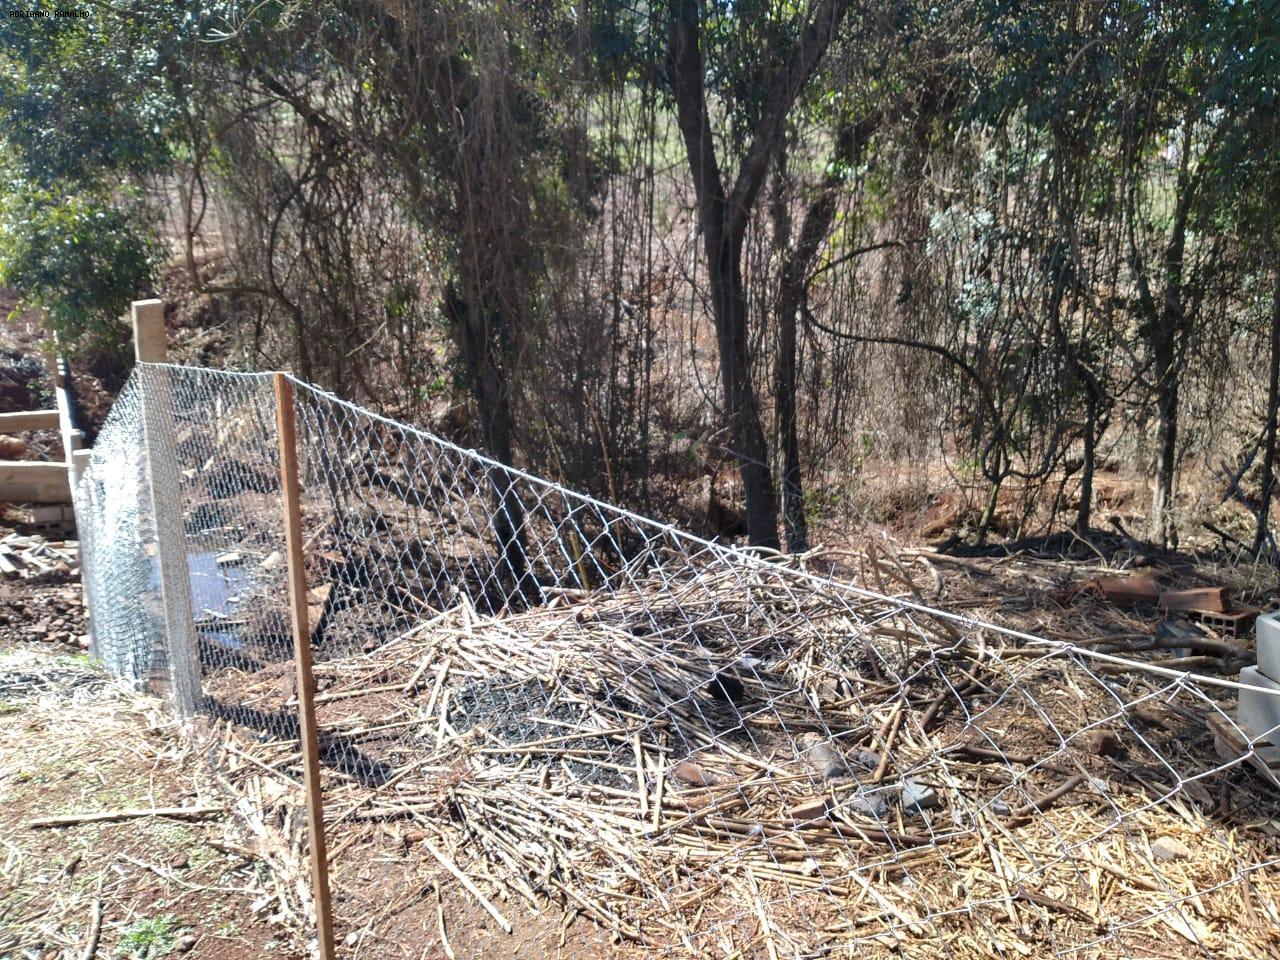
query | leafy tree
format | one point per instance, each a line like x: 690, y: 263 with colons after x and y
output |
x: 84, y: 118
x: 82, y: 258
x: 765, y: 61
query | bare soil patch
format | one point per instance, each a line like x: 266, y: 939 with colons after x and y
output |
x: 74, y: 741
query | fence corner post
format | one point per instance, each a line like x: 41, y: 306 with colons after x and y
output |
x: 149, y: 340
x: 307, y: 734
x: 79, y: 464
x: 166, y: 509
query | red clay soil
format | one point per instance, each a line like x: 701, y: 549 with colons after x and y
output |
x: 72, y: 742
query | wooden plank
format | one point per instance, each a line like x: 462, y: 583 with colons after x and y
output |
x: 79, y: 464
x: 33, y: 481
x: 72, y: 439
x: 302, y: 656
x: 28, y: 420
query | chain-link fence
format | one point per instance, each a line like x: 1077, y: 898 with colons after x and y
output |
x: 550, y: 717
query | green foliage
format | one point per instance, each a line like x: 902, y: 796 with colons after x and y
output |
x: 149, y: 938
x: 82, y: 257
x: 84, y: 97
x: 87, y: 106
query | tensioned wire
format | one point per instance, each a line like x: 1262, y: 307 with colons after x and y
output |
x: 752, y: 557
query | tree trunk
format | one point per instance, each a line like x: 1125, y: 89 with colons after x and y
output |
x: 1167, y: 327
x: 1084, y: 513
x: 729, y: 307
x: 1166, y: 439
x: 1167, y: 341
x: 723, y: 217
x: 1263, y: 531
x: 791, y: 289
x: 784, y: 401
x: 488, y: 387
x: 988, y: 511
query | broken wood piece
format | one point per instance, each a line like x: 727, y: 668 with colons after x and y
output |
x: 470, y: 886
x: 95, y: 925
x: 131, y: 813
x: 1043, y: 802
x: 1232, y: 746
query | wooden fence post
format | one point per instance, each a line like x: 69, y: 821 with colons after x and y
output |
x: 166, y: 509
x: 79, y: 465
x: 302, y: 656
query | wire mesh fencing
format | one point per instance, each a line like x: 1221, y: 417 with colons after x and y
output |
x: 547, y: 718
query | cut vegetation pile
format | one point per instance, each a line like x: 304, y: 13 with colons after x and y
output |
x: 742, y: 763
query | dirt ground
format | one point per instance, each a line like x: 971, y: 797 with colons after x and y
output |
x: 72, y: 742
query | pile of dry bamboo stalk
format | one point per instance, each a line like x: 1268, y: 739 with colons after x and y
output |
x: 744, y: 763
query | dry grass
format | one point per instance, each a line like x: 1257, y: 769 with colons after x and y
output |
x: 72, y: 741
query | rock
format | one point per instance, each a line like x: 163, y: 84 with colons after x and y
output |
x: 83, y: 641
x: 1105, y: 743
x: 827, y: 760
x: 918, y: 796
x: 690, y: 774
x: 867, y: 758
x: 273, y: 561
x: 869, y: 803
x: 12, y: 448
x: 809, y: 810
x: 1167, y: 848
x: 185, y: 943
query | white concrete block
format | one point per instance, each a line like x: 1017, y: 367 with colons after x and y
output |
x: 1259, y: 713
x: 1268, y: 630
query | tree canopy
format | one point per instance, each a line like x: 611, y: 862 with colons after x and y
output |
x: 1027, y: 240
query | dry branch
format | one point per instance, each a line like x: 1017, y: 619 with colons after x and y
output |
x: 105, y: 816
